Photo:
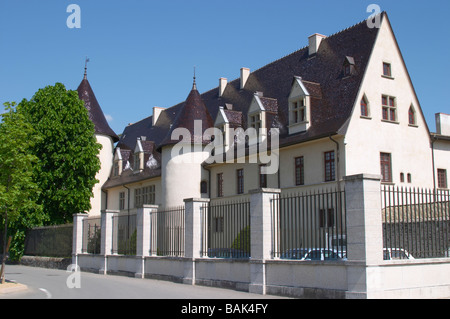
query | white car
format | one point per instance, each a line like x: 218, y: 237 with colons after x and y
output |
x: 396, y: 254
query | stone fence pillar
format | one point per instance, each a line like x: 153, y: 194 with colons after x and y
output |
x: 77, y: 243
x: 143, y: 232
x: 364, y: 233
x: 107, y: 233
x: 260, y: 236
x: 192, y: 235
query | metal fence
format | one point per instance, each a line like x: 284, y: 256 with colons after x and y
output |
x: 309, y: 225
x: 226, y: 230
x: 167, y: 232
x: 51, y: 241
x: 124, y: 235
x: 91, y: 236
x: 416, y: 222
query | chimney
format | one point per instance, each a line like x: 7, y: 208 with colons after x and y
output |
x: 443, y: 124
x: 314, y: 43
x: 222, y: 85
x: 156, y: 113
x: 245, y: 73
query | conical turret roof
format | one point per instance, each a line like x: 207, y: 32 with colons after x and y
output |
x: 193, y: 109
x: 86, y: 94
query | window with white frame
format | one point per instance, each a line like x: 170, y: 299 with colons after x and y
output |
x: 298, y: 111
x: 255, y: 121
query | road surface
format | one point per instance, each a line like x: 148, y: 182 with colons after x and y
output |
x: 59, y: 284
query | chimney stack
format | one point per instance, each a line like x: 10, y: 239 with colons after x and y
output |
x: 314, y: 43
x: 245, y: 73
x: 156, y: 113
x: 443, y: 124
x: 222, y: 86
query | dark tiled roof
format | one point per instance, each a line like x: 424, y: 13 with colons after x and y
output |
x: 332, y: 95
x: 86, y: 94
x: 192, y: 110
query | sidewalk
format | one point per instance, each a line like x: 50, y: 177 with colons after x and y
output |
x: 10, y: 287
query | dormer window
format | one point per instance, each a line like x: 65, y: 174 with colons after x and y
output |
x: 348, y: 68
x: 299, y: 107
x: 138, y: 158
x: 118, y: 163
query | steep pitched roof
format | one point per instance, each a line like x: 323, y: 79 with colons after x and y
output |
x: 86, y: 94
x: 332, y: 95
x: 194, y: 109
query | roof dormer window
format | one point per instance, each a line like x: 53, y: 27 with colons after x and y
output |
x: 299, y: 107
x: 348, y: 68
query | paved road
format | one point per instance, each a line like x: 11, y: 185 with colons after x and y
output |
x: 49, y: 283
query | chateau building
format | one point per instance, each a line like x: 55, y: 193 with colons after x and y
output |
x: 343, y: 105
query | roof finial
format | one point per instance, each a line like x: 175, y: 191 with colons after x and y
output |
x: 85, y: 68
x: 194, y: 86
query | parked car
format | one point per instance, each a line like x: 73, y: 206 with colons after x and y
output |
x: 396, y: 253
x: 296, y: 253
x: 313, y: 254
x: 227, y: 253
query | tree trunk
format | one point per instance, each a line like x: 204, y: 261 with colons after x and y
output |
x: 5, y: 248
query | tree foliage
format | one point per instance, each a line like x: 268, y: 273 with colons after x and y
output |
x: 18, y: 190
x: 67, y: 151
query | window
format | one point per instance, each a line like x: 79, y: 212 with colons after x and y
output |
x: 347, y: 70
x: 218, y: 224
x: 389, y: 108
x: 122, y: 200
x: 299, y: 171
x: 137, y: 162
x: 329, y: 167
x: 204, y: 187
x: 412, y: 116
x: 442, y: 178
x: 262, y: 177
x: 364, y: 107
x: 116, y: 169
x: 240, y: 181
x: 386, y: 171
x: 387, y: 69
x: 326, y: 217
x: 402, y: 178
x: 255, y: 121
x: 220, y: 185
x: 409, y: 178
x: 298, y: 111
x: 143, y: 196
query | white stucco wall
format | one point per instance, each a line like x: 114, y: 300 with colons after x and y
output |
x: 181, y: 176
x: 98, y: 201
x: 367, y: 137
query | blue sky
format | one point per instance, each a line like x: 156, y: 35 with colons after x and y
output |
x: 142, y: 53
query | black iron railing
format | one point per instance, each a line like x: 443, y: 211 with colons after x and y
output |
x: 226, y: 230
x: 309, y: 225
x: 416, y: 222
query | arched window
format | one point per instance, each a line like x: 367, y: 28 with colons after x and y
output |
x: 364, y: 107
x: 412, y: 116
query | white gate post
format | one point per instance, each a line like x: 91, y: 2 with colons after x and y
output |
x: 143, y: 231
x: 77, y: 243
x: 260, y: 236
x: 364, y: 233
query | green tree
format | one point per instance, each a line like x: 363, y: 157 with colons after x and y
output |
x: 67, y: 152
x: 18, y: 191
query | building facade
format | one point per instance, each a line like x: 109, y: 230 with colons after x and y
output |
x: 343, y: 105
